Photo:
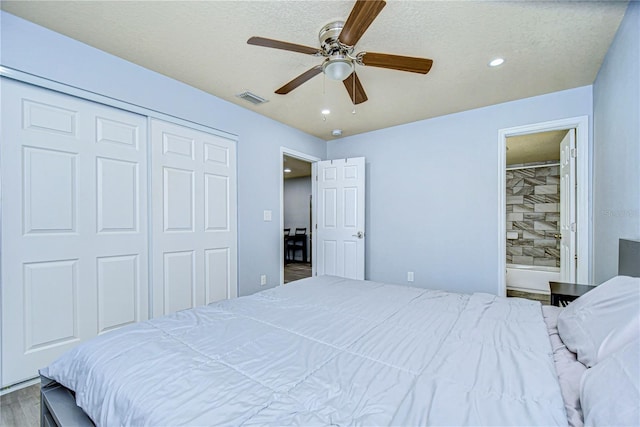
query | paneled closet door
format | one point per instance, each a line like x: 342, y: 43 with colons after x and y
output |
x: 194, y: 218
x: 74, y: 224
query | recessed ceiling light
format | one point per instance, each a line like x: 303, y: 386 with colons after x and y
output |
x: 287, y: 170
x: 496, y: 62
x: 326, y: 111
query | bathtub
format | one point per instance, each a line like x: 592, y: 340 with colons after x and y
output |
x: 531, y: 278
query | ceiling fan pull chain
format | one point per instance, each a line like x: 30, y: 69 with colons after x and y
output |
x: 324, y: 87
x: 324, y: 95
x: 353, y: 82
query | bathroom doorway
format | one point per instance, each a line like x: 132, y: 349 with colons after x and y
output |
x: 533, y: 220
x: 544, y: 225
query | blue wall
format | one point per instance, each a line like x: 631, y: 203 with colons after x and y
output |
x: 432, y: 191
x: 616, y: 173
x: 35, y: 50
x: 432, y: 185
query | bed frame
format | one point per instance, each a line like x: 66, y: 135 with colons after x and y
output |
x: 58, y: 404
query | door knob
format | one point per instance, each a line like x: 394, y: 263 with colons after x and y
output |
x: 360, y: 235
x: 557, y: 236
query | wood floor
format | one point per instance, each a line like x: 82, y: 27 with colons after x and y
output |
x: 21, y: 408
x: 543, y: 298
x: 296, y: 271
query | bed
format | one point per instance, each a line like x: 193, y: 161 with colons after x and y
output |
x: 333, y: 351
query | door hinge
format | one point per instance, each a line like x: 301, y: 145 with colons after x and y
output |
x: 574, y: 152
x: 575, y: 257
x: 573, y: 227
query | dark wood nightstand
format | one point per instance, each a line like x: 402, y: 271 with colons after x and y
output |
x: 563, y: 293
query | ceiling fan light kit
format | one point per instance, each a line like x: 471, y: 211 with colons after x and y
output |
x: 337, y: 41
x: 337, y: 67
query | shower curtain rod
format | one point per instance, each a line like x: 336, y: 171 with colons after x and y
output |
x: 532, y: 167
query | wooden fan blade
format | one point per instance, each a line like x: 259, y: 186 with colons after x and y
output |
x: 359, y: 96
x: 302, y: 78
x: 277, y: 44
x: 361, y: 16
x: 397, y: 62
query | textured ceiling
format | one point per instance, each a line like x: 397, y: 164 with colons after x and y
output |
x: 548, y: 46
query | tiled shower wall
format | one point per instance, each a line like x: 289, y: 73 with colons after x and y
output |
x: 533, y: 211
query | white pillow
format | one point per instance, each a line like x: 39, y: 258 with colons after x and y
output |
x: 603, y: 320
x: 609, y: 392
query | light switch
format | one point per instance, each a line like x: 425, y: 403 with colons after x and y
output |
x: 267, y: 215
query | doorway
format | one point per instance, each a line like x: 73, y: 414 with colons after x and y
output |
x: 532, y: 207
x: 534, y: 201
x: 296, y: 195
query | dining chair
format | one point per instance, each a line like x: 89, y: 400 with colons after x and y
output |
x: 297, y: 242
x: 287, y: 233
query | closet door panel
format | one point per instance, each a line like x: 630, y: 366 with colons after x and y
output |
x: 51, y: 287
x: 73, y: 196
x: 120, y: 226
x: 179, y: 281
x: 117, y: 191
x: 118, y: 291
x: 194, y: 218
x: 178, y: 196
x: 50, y: 190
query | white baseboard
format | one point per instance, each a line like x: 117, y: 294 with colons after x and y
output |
x: 23, y: 384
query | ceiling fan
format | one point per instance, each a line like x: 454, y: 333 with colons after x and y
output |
x: 337, y: 42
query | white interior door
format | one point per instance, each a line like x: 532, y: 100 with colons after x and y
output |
x: 74, y: 234
x: 568, y: 207
x: 194, y: 217
x: 340, y: 233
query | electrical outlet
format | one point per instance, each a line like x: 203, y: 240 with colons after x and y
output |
x: 410, y: 276
x: 263, y: 280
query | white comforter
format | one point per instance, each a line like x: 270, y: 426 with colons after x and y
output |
x: 324, y: 351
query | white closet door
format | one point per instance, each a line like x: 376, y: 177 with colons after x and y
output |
x: 74, y: 234
x: 194, y: 218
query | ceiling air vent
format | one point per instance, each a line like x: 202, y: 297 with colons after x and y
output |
x: 252, y: 98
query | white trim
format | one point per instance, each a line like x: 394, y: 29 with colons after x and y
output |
x: 311, y: 159
x: 20, y: 385
x: 581, y: 125
x: 149, y: 225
